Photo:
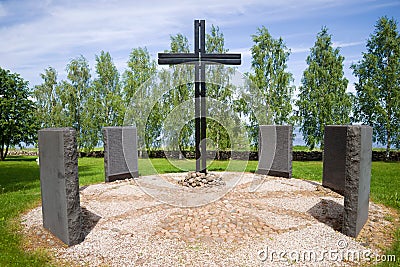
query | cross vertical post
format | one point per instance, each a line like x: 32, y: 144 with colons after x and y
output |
x: 203, y: 107
x: 199, y: 58
x: 197, y: 100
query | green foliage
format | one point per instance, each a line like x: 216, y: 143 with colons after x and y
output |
x: 140, y: 68
x: 107, y: 91
x: 80, y: 102
x: 215, y: 41
x: 181, y: 94
x: 250, y: 106
x: 90, y: 125
x: 179, y: 44
x: 269, y: 63
x: 219, y: 88
x: 323, y: 99
x: 271, y: 82
x: 137, y: 82
x: 74, y: 94
x: 17, y: 112
x: 153, y: 127
x: 49, y: 112
x: 181, y: 91
x: 104, y: 104
x: 378, y: 86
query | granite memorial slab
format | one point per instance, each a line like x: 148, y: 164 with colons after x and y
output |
x: 120, y: 153
x: 59, y: 184
x: 275, y: 150
x: 334, y: 160
x: 353, y: 177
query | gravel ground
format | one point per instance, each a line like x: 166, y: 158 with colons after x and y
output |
x: 253, y: 220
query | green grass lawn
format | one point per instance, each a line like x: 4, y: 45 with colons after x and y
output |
x: 20, y: 191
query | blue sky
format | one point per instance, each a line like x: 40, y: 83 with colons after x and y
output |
x: 42, y: 33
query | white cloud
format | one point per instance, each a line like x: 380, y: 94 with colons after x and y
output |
x: 346, y: 44
x: 295, y: 50
x: 301, y: 49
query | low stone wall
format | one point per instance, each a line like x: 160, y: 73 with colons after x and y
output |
x: 22, y: 153
x: 93, y: 154
x: 317, y: 156
x: 253, y: 155
x: 307, y: 155
x: 224, y: 155
x: 380, y: 155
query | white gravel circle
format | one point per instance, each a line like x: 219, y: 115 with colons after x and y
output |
x: 128, y: 221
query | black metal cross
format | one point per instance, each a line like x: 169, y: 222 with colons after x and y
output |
x: 199, y: 58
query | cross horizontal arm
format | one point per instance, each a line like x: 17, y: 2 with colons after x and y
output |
x: 226, y: 59
x: 177, y: 55
x: 227, y: 56
x: 176, y: 58
x: 191, y: 58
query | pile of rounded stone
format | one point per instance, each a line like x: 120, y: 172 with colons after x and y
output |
x: 198, y: 179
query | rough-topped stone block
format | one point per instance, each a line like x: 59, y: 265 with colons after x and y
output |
x: 358, y: 179
x: 347, y: 170
x: 59, y: 184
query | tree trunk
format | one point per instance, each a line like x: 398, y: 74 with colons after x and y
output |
x: 218, y: 155
x: 389, y: 109
x: 387, y: 154
x: 322, y: 145
x: 5, y: 154
x: 2, y: 148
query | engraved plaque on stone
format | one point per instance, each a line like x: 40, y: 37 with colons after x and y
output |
x: 120, y: 153
x: 275, y: 150
x: 334, y: 160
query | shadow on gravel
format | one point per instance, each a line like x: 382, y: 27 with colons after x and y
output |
x: 90, y: 220
x: 328, y: 212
